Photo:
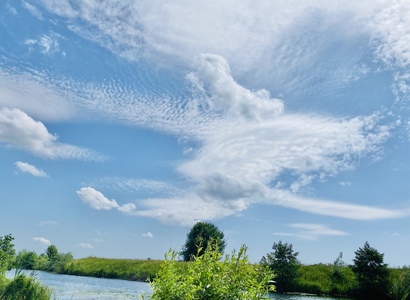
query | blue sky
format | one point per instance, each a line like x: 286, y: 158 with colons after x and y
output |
x: 122, y: 123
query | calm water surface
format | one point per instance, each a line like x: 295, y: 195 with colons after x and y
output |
x: 68, y: 287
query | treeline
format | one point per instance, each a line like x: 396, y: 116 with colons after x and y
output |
x: 50, y: 261
x: 367, y: 278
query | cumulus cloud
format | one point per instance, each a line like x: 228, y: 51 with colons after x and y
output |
x: 215, y: 76
x: 312, y: 231
x: 42, y: 240
x: 98, y: 201
x: 148, y: 235
x: 27, y: 168
x: 19, y: 130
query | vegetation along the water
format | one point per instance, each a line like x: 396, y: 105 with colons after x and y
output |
x: 201, y: 271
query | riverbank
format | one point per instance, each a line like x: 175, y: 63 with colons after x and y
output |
x: 127, y: 269
x: 312, y: 279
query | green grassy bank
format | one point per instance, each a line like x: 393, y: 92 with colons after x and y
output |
x: 128, y: 269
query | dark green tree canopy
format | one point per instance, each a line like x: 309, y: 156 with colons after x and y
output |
x: 284, y: 263
x: 198, y: 239
x: 371, y: 272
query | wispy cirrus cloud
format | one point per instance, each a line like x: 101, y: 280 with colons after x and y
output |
x: 27, y: 168
x: 312, y: 231
x: 49, y: 222
x: 85, y: 245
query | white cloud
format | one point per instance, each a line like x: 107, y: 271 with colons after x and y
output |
x: 42, y: 240
x: 260, y: 142
x: 312, y: 231
x: 229, y: 96
x: 333, y: 208
x: 127, y: 208
x: 37, y: 95
x: 49, y: 222
x: 98, y: 201
x: 47, y: 44
x: 148, y: 235
x: 27, y: 168
x: 85, y: 245
x: 187, y: 209
x: 140, y: 185
x: 32, y: 9
x: 19, y: 130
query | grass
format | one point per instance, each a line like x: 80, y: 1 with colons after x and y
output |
x: 128, y: 269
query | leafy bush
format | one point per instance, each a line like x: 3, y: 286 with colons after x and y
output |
x: 25, y: 288
x: 209, y: 277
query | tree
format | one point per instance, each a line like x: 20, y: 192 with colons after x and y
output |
x: 284, y: 263
x: 26, y: 260
x: 371, y: 273
x: 7, y: 253
x: 210, y: 276
x: 52, y: 252
x: 198, y: 240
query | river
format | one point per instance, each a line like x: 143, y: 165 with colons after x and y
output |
x: 68, y: 287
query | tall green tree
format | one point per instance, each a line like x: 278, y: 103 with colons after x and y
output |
x: 284, y: 263
x: 7, y: 253
x: 199, y: 238
x: 52, y: 252
x: 371, y: 272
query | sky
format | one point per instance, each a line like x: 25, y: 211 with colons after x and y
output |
x: 123, y: 123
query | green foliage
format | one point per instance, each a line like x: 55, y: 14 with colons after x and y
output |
x: 25, y: 288
x: 26, y: 260
x: 129, y: 269
x: 283, y: 262
x: 342, y: 278
x: 400, y: 284
x: 7, y: 253
x: 208, y: 277
x: 199, y: 238
x: 52, y: 252
x: 371, y: 273
x: 41, y: 262
x: 313, y: 279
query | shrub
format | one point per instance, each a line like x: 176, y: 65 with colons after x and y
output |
x: 25, y: 288
x: 209, y: 277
